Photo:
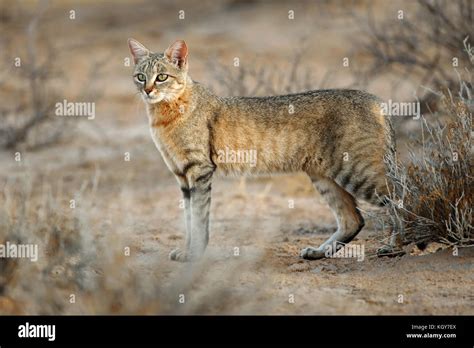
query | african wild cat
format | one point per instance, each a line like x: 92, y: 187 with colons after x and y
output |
x: 338, y: 137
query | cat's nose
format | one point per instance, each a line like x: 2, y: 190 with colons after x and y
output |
x: 148, y: 90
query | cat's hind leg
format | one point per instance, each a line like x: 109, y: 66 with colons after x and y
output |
x: 349, y: 220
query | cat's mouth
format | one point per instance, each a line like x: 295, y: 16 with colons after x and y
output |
x: 152, y: 99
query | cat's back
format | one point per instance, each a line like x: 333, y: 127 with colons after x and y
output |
x: 326, y: 95
x: 317, y: 103
x: 338, y: 106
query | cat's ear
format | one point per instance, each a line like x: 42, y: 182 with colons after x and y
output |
x: 177, y: 54
x: 137, y: 50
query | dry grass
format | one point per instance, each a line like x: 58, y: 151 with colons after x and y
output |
x: 81, y: 255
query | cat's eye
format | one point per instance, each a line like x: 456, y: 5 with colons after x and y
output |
x: 161, y: 77
x: 141, y: 77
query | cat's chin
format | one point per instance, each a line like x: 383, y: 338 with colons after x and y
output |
x: 154, y: 100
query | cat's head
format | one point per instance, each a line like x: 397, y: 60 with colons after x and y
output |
x: 160, y: 76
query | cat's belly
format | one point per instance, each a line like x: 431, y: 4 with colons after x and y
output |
x: 252, y: 162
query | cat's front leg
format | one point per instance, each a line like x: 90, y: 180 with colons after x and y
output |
x: 197, y: 208
x: 200, y: 209
x: 178, y: 254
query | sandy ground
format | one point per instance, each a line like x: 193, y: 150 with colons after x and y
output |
x: 258, y: 225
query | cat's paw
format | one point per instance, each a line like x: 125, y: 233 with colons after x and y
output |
x: 311, y: 253
x: 178, y: 255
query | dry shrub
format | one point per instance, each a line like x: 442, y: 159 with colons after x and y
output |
x: 263, y: 78
x: 27, y: 115
x: 421, y: 47
x: 432, y: 194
